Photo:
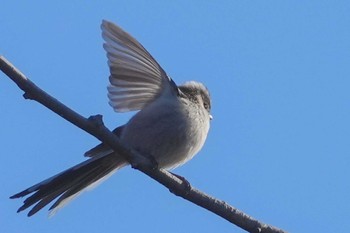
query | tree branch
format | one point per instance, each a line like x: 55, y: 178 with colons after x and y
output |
x: 94, y: 126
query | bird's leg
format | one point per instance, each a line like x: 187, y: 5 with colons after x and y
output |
x: 153, y: 161
x: 146, y: 160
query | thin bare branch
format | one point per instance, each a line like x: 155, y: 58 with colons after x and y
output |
x: 94, y: 126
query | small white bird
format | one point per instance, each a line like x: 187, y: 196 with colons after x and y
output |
x: 171, y: 126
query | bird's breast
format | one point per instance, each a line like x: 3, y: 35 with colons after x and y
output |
x: 171, y: 132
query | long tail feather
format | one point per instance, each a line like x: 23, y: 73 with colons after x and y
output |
x: 69, y: 183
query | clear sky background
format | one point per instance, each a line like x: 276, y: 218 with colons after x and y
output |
x: 278, y: 148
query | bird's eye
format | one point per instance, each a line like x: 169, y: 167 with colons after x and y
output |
x: 206, y: 106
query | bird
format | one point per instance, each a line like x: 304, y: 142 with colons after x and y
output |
x: 170, y: 125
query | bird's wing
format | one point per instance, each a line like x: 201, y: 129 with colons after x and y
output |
x: 136, y: 78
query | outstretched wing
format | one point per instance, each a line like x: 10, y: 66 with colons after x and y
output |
x: 136, y: 78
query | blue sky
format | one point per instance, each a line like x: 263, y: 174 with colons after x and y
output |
x: 278, y: 148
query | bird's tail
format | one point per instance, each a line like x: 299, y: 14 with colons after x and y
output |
x: 69, y: 183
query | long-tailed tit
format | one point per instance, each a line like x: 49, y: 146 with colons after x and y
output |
x: 171, y: 125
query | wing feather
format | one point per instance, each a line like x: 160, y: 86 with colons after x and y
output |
x: 136, y: 78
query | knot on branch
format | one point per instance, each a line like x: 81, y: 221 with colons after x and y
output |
x: 184, y: 189
x: 97, y: 120
x: 27, y: 96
